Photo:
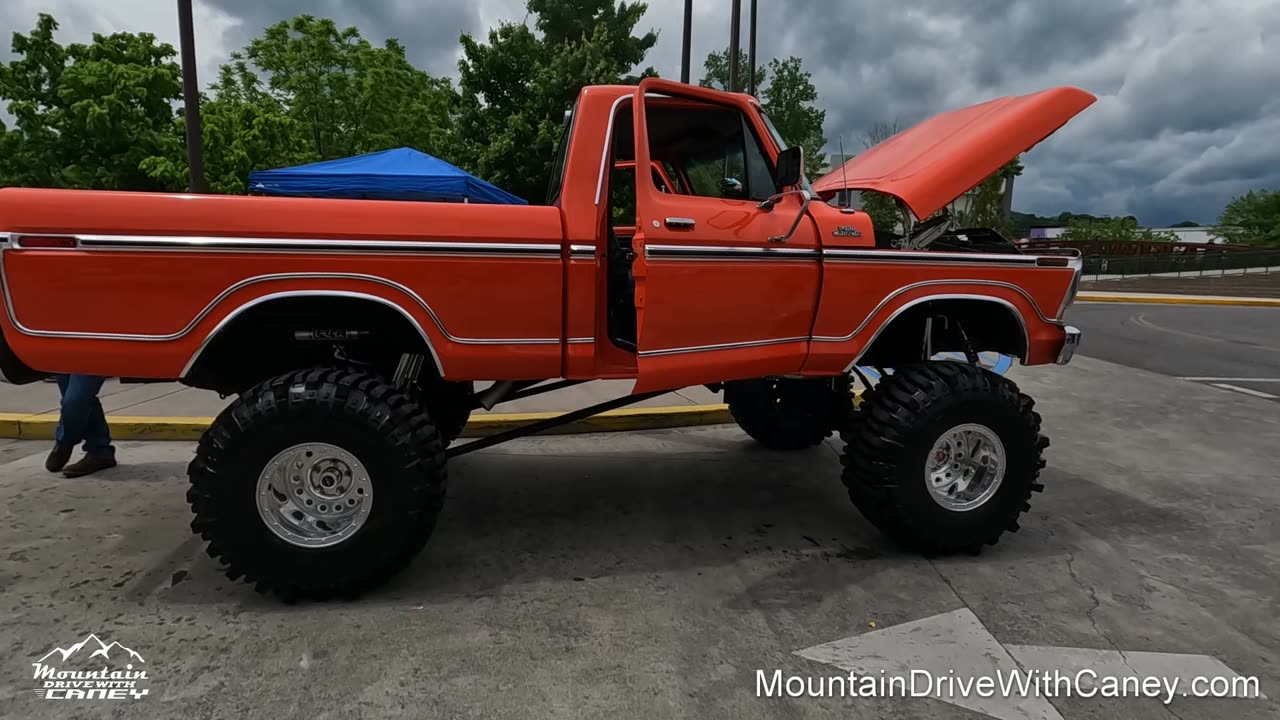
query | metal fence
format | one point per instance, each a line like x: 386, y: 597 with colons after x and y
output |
x: 1251, y: 261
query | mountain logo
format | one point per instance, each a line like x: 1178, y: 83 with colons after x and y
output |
x: 90, y: 670
x: 99, y: 649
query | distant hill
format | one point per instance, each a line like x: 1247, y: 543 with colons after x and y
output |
x: 1023, y: 222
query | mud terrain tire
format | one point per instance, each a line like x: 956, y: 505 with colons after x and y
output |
x: 891, y: 440
x: 399, y: 456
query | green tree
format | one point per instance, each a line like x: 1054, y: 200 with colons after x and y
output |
x: 516, y: 87
x: 347, y: 95
x: 1125, y: 229
x: 1252, y: 219
x: 882, y: 208
x: 716, y: 72
x: 88, y: 116
x: 787, y: 93
x: 245, y: 129
x: 791, y: 100
x: 986, y: 205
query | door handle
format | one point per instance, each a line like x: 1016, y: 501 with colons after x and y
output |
x: 680, y: 223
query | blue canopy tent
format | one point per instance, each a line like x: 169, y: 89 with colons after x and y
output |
x: 399, y: 174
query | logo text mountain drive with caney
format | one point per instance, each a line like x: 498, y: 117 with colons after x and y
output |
x: 91, y: 674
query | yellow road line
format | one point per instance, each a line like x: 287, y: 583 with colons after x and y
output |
x: 125, y: 427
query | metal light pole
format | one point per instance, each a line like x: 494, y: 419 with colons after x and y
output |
x: 735, y: 30
x: 191, y: 98
x: 688, y: 41
x: 751, y: 51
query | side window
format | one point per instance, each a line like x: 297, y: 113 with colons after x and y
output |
x: 718, y: 148
x: 659, y: 183
x: 622, y: 190
x: 670, y: 169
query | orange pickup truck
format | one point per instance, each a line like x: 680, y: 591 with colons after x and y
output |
x: 352, y: 331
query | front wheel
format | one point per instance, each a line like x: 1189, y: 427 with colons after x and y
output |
x: 943, y: 457
x: 317, y: 484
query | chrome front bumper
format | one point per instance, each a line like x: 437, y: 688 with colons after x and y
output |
x: 1069, y: 345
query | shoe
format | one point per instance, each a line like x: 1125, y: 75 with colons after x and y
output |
x: 88, y: 465
x: 58, y: 458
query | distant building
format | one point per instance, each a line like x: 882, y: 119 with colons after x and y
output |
x: 1201, y: 235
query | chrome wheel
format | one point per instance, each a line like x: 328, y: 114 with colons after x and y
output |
x: 314, y: 495
x: 965, y: 467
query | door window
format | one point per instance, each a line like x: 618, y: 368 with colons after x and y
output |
x: 717, y: 147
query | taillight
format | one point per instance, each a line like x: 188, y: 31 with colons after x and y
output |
x: 46, y: 241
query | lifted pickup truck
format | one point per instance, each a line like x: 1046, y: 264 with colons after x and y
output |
x: 351, y: 331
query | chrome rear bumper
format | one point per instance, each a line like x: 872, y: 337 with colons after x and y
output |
x: 1069, y: 345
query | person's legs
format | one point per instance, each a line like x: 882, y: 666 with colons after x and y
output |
x: 79, y: 400
x: 83, y: 420
x: 60, y: 434
x: 97, y: 434
x: 62, y: 446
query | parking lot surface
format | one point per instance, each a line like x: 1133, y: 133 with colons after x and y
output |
x: 651, y: 575
x: 1232, y: 349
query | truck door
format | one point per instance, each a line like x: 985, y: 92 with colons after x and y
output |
x: 719, y: 293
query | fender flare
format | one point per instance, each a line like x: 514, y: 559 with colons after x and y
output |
x: 1002, y: 302
x: 347, y: 294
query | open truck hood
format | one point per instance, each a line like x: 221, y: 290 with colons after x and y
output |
x: 937, y: 161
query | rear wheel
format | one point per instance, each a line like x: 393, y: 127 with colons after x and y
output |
x: 317, y: 484
x: 943, y: 457
x: 789, y: 414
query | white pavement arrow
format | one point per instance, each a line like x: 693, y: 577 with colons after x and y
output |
x: 957, y: 648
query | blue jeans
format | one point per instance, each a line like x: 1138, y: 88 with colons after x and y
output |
x: 82, y: 419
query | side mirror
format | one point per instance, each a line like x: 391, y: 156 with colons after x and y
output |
x: 790, y: 168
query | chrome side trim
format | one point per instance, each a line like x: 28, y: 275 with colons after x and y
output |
x: 929, y: 283
x: 722, y: 346
x: 189, y: 242
x: 310, y: 293
x: 1026, y: 336
x: 4, y: 285
x: 917, y: 256
x: 580, y: 340
x: 582, y: 251
x: 608, y: 143
x: 715, y: 252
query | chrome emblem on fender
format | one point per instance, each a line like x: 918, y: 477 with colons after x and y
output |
x: 847, y: 231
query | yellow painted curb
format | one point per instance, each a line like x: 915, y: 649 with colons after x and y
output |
x: 123, y: 427
x: 1188, y: 300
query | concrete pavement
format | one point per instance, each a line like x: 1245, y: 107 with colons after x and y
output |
x: 652, y: 574
x: 1234, y: 346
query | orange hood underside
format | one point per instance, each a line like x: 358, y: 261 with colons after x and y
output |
x: 937, y: 161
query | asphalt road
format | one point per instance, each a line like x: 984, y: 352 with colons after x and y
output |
x: 650, y: 575
x: 1238, y: 347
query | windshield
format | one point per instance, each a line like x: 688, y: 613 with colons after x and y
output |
x: 782, y: 145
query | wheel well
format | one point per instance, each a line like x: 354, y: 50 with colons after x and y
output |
x: 989, y: 324
x: 273, y: 336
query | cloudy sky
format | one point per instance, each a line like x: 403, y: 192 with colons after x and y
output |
x: 1189, y: 91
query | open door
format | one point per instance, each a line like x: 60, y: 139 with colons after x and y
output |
x: 726, y: 285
